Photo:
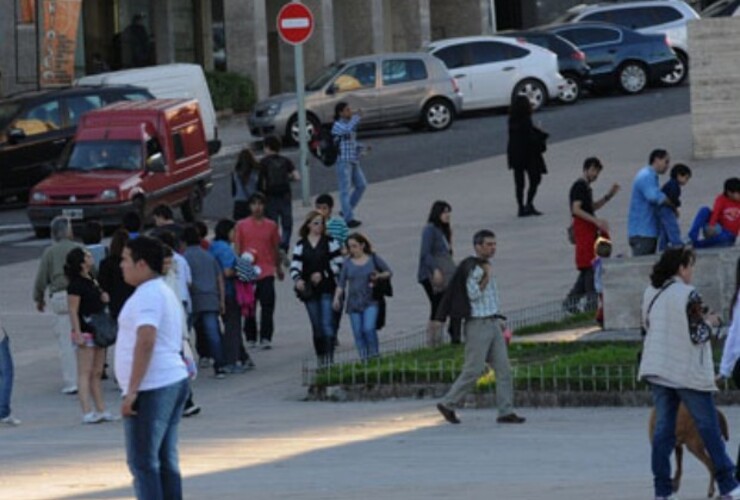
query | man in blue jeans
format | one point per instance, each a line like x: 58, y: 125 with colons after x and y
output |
x: 6, y: 380
x: 151, y: 372
x: 348, y: 167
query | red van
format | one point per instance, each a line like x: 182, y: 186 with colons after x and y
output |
x: 129, y: 156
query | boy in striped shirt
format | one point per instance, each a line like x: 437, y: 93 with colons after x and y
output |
x: 336, y: 227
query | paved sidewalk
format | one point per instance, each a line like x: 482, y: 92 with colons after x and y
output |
x: 257, y: 439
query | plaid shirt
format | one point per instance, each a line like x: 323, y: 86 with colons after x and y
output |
x: 346, y: 131
x: 483, y: 303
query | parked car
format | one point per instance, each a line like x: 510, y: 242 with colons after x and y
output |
x: 571, y: 61
x: 36, y: 126
x: 400, y: 88
x: 169, y: 81
x: 667, y: 17
x: 491, y: 70
x: 620, y: 57
x: 128, y: 157
x: 722, y: 8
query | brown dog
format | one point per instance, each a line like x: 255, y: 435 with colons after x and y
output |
x: 686, y: 434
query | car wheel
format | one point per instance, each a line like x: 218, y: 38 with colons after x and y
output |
x: 193, y: 206
x: 532, y: 90
x: 571, y: 91
x: 679, y: 73
x: 312, y: 125
x: 437, y: 115
x: 632, y: 78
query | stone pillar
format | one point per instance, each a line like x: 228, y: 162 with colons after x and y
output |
x: 203, y: 34
x: 164, y: 31
x: 377, y: 25
x: 245, y: 27
x: 459, y: 18
x: 327, y: 31
x: 411, y: 24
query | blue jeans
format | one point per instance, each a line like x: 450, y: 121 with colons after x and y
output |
x: 701, y: 406
x: 643, y: 245
x: 321, y: 315
x: 6, y: 377
x: 350, y: 174
x: 722, y: 238
x: 365, y: 332
x: 209, y: 325
x: 280, y: 210
x: 151, y: 442
x: 669, y: 234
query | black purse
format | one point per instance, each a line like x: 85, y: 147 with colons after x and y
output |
x: 104, y: 328
x: 382, y: 287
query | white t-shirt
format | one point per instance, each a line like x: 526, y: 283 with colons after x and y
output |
x: 154, y: 304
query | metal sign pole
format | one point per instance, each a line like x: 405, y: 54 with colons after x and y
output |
x: 303, y: 140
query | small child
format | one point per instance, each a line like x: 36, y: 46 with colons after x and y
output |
x: 670, y: 232
x: 336, y: 227
x: 603, y: 250
x: 721, y: 224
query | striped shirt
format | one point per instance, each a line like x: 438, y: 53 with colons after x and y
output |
x: 326, y: 258
x: 483, y: 303
x: 346, y: 130
x: 337, y: 228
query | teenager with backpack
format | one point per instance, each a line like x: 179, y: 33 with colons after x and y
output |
x: 348, y: 167
x: 277, y: 174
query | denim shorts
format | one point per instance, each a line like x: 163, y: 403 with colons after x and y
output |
x: 88, y: 340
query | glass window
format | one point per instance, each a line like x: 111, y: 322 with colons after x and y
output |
x: 488, y: 52
x: 323, y: 77
x: 634, y: 18
x: 453, y: 56
x: 178, y: 145
x: 359, y: 76
x: 79, y: 105
x: 590, y: 36
x: 105, y: 155
x: 403, y: 70
x: 663, y: 15
x: 40, y: 119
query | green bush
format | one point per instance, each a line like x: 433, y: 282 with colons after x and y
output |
x: 231, y: 91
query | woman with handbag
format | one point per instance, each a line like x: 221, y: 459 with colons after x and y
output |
x: 365, y: 279
x: 86, y: 299
x: 436, y: 267
x: 314, y: 268
x: 677, y: 364
x: 524, y: 152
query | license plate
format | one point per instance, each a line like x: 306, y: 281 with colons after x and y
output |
x: 73, y: 213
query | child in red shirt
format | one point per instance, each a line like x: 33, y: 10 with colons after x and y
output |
x: 721, y: 224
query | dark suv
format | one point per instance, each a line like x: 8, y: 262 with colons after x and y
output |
x: 36, y: 126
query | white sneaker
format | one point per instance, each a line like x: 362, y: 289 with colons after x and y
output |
x: 251, y: 344
x: 72, y: 389
x: 10, y: 421
x: 107, y: 417
x: 733, y: 495
x: 265, y: 344
x: 91, y: 418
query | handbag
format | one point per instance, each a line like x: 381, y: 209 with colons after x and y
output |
x: 381, y: 288
x: 447, y: 267
x: 104, y: 328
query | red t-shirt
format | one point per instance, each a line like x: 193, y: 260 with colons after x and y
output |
x: 726, y: 212
x: 263, y: 238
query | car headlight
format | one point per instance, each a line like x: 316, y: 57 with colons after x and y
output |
x: 273, y: 109
x: 109, y: 194
x: 39, y: 197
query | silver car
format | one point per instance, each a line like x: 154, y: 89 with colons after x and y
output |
x: 401, y: 88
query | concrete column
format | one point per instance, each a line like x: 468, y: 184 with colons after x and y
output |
x: 203, y: 35
x: 245, y: 26
x: 425, y: 22
x: 164, y: 31
x: 410, y: 24
x: 377, y: 25
x: 327, y: 31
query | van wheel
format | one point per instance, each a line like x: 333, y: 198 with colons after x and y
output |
x: 312, y: 126
x: 438, y: 115
x: 193, y: 206
x: 41, y: 232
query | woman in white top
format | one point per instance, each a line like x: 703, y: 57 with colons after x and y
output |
x: 731, y: 352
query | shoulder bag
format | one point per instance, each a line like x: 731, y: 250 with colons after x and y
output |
x: 382, y: 287
x: 104, y: 328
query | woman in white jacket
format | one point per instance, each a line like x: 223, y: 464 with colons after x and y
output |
x: 731, y: 352
x: 677, y: 363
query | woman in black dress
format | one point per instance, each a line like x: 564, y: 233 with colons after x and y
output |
x: 524, y: 153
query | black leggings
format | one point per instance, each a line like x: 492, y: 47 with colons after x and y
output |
x: 535, y: 176
x: 434, y: 299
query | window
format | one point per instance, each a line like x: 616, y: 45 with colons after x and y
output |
x: 664, y: 15
x: 590, y: 36
x: 453, y: 56
x: 488, y: 52
x: 403, y: 70
x: 359, y: 76
x: 40, y: 119
x: 79, y: 105
x: 178, y: 145
x: 634, y: 18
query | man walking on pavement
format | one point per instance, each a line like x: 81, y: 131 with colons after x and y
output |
x: 348, y: 167
x: 473, y: 296
x: 643, y: 224
x: 151, y: 372
x: 50, y: 275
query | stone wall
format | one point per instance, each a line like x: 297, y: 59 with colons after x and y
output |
x: 714, y: 51
x: 625, y: 281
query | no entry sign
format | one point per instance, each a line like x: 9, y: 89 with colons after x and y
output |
x: 295, y: 23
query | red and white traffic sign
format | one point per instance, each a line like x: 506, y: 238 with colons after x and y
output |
x: 295, y: 23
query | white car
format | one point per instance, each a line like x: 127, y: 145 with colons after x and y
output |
x: 490, y: 70
x: 667, y: 17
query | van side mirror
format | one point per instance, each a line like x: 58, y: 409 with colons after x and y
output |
x: 16, y: 135
x: 155, y: 163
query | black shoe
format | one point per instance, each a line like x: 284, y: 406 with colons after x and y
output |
x: 191, y: 411
x: 532, y: 210
x: 511, y: 418
x: 524, y: 212
x: 448, y: 413
x: 353, y: 223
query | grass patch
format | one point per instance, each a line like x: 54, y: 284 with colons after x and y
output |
x: 574, y: 321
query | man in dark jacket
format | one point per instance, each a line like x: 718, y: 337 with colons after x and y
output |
x: 473, y: 295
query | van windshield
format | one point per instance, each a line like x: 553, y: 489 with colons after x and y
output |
x: 8, y: 110
x: 318, y: 82
x: 105, y: 155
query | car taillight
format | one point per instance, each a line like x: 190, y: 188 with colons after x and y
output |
x: 667, y: 41
x: 578, y: 56
x: 455, y: 87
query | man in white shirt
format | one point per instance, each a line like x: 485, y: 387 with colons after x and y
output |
x: 151, y: 372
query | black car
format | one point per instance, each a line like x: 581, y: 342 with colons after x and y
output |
x: 571, y: 60
x: 620, y: 57
x: 35, y: 127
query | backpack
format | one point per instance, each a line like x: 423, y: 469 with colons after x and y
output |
x: 275, y: 175
x: 325, y: 146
